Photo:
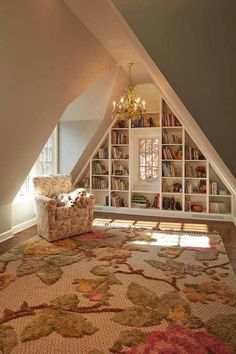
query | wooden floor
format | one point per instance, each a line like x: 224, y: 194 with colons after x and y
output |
x: 227, y: 230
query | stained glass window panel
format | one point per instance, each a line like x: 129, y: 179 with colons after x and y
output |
x: 148, y: 159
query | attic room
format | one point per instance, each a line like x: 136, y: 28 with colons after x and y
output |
x: 158, y: 189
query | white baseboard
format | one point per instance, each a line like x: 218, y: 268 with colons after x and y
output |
x: 6, y: 235
x: 24, y: 225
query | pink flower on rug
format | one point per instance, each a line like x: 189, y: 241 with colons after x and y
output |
x: 31, y: 261
x: 96, y: 296
x: 180, y: 340
x: 94, y: 235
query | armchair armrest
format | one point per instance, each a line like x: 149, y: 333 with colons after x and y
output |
x: 46, y: 208
x: 90, y: 198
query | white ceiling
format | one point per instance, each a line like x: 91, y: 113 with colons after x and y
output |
x: 101, y: 20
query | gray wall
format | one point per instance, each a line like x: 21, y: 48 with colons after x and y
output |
x: 193, y: 42
x: 73, y: 139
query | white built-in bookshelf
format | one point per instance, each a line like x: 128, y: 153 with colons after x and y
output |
x: 152, y: 166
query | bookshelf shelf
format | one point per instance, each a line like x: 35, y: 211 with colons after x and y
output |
x: 220, y: 195
x: 172, y: 127
x: 120, y: 190
x: 100, y: 190
x: 198, y: 194
x: 186, y: 183
x: 171, y: 144
x: 119, y: 144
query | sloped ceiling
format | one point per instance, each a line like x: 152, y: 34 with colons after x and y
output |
x: 194, y: 45
x: 91, y: 104
x: 48, y: 58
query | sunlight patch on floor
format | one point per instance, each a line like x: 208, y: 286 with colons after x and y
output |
x: 146, y: 224
x: 195, y: 227
x: 194, y: 241
x: 100, y: 221
x: 175, y: 240
x: 170, y: 226
x: 122, y: 223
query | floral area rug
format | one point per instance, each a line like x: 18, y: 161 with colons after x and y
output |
x: 118, y: 290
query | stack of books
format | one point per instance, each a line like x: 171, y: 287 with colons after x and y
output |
x: 139, y: 201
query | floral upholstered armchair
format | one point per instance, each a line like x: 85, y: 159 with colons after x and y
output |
x: 57, y: 219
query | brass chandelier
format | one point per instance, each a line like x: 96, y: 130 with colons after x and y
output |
x: 129, y: 106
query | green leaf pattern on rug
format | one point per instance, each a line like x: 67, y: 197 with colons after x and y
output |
x: 12, y: 255
x: 170, y: 252
x: 49, y: 273
x: 209, y: 291
x: 224, y: 328
x: 152, y: 305
x: 8, y: 339
x: 65, y: 302
x: 138, y: 317
x: 141, y: 296
x: 128, y: 339
x: 152, y: 309
x: 178, y: 269
x: 66, y: 324
x: 206, y: 255
x: 96, y: 289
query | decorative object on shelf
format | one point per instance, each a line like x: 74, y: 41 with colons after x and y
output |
x: 130, y: 106
x: 156, y: 202
x: 196, y: 207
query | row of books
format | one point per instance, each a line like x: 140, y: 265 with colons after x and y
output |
x: 195, y: 188
x: 118, y: 153
x: 143, y: 122
x: 140, y: 201
x: 117, y: 201
x: 119, y: 169
x: 99, y: 183
x: 119, y: 184
x: 99, y: 168
x: 170, y: 120
x: 175, y: 187
x: 170, y: 170
x: 215, y: 189
x: 171, y: 153
x: 102, y: 153
x: 84, y: 183
x: 171, y: 138
x: 192, y: 153
x: 192, y: 171
x: 122, y: 124
x: 119, y: 137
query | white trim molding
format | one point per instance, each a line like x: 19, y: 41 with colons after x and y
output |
x: 6, y: 235
x: 24, y: 225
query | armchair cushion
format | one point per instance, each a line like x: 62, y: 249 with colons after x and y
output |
x: 63, y: 213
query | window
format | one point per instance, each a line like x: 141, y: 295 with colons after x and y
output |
x: 148, y: 159
x: 46, y: 160
x: 45, y: 164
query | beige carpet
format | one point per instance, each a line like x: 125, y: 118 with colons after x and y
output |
x: 120, y: 290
